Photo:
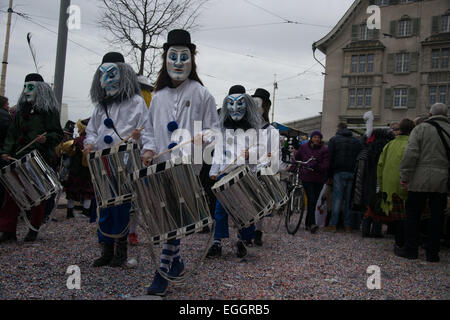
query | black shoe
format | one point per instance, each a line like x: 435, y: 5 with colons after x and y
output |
x: 214, y: 251
x: 241, y: 249
x: 69, y: 214
x: 402, y: 252
x: 258, y: 238
x: 120, y: 253
x: 107, y: 255
x: 6, y: 237
x: 314, y: 228
x: 31, y: 236
x: 86, y: 212
x: 433, y: 257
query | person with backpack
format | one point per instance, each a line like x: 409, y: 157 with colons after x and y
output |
x: 424, y: 171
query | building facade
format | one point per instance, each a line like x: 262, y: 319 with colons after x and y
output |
x: 307, y: 125
x: 397, y: 71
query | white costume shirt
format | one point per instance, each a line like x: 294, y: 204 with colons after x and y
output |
x: 188, y: 102
x: 127, y: 116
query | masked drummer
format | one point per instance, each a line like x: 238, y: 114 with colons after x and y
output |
x: 239, y: 115
x: 262, y: 99
x: 37, y: 113
x: 179, y: 99
x: 119, y: 112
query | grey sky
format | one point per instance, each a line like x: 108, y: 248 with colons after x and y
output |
x: 226, y: 55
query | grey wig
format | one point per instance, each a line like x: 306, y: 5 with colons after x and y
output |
x: 128, y: 88
x: 252, y: 116
x: 45, y: 99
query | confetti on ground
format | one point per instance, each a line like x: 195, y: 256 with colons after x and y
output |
x: 305, y: 266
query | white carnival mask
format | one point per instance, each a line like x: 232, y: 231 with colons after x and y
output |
x: 259, y: 104
x: 110, y: 78
x: 236, y: 106
x: 179, y: 63
x: 29, y: 90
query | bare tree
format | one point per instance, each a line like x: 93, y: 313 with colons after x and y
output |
x: 139, y: 27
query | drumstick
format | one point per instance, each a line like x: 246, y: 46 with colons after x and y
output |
x: 129, y: 137
x: 13, y: 159
x: 227, y: 167
x: 174, y: 148
x: 31, y: 143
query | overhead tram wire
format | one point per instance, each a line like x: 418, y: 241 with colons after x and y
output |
x: 27, y: 18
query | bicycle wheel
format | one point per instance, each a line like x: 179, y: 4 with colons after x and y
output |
x: 295, y: 210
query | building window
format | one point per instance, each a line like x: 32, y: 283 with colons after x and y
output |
x: 351, y: 98
x: 362, y: 63
x: 370, y: 59
x: 445, y: 23
x: 402, y: 64
x: 444, y: 58
x: 443, y: 94
x: 404, y: 28
x: 400, y: 98
x: 433, y: 91
x: 440, y: 58
x: 360, y: 97
x: 355, y: 63
x: 363, y: 32
x: 383, y: 2
x: 368, y: 97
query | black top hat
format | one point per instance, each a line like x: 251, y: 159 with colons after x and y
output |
x: 70, y: 125
x: 34, y: 77
x: 113, y: 57
x: 263, y: 94
x: 236, y: 89
x: 179, y: 37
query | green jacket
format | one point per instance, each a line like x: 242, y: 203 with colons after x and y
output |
x: 25, y: 129
x: 388, y: 175
x: 425, y: 164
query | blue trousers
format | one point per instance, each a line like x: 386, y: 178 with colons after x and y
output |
x: 113, y: 220
x: 342, y: 190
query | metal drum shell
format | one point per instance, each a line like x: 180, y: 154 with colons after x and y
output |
x: 274, y: 188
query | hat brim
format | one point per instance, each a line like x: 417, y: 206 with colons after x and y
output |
x: 191, y: 46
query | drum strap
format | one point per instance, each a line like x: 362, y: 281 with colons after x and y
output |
x: 105, y: 106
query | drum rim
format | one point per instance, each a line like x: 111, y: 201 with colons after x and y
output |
x: 159, y: 167
x: 241, y: 172
x: 116, y: 149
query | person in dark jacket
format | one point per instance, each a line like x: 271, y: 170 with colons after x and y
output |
x: 5, y: 119
x: 314, y: 175
x: 344, y: 150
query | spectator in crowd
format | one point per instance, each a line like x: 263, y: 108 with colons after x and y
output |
x: 395, y: 127
x: 419, y: 120
x: 424, y: 172
x: 344, y: 149
x: 5, y: 119
x: 315, y: 175
x: 374, y: 217
x: 393, y: 196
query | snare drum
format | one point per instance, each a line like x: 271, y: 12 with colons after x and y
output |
x: 30, y: 181
x: 273, y: 187
x: 170, y: 200
x: 243, y: 197
x: 110, y: 173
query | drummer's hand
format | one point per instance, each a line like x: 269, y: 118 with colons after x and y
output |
x: 214, y: 178
x: 6, y: 157
x: 198, y: 139
x: 88, y: 149
x: 245, y: 154
x: 147, y: 158
x: 41, y: 139
x: 136, y: 134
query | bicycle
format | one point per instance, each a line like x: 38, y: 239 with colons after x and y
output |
x: 295, y: 207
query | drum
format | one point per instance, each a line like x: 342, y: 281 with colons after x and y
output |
x: 110, y: 173
x: 170, y: 200
x: 30, y: 180
x: 273, y: 187
x: 243, y: 197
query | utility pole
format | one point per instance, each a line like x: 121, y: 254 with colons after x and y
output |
x: 61, y: 51
x: 5, y: 52
x: 275, y: 87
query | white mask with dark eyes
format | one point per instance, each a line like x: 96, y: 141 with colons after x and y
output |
x: 179, y: 63
x: 29, y: 90
x: 110, y: 78
x: 259, y: 104
x: 236, y: 106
